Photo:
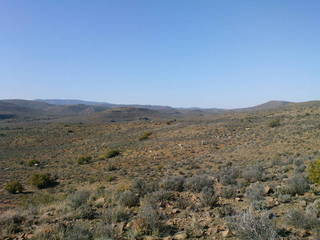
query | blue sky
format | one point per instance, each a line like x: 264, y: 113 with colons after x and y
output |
x: 207, y: 53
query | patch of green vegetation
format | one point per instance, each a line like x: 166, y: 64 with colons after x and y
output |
x: 84, y: 160
x: 41, y: 180
x: 14, y: 187
x: 110, y: 178
x: 145, y: 136
x: 112, y: 153
x: 274, y: 123
x: 111, y: 167
x: 314, y: 171
x: 40, y: 198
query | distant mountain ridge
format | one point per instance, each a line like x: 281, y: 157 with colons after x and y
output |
x: 93, y: 103
x: 80, y: 110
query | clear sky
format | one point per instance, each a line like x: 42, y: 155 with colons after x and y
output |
x: 206, y: 53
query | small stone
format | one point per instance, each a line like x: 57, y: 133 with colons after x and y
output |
x: 267, y: 190
x: 226, y: 233
x: 181, y: 236
x: 167, y: 238
x: 150, y: 238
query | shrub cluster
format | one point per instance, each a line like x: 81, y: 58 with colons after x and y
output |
x: 253, y: 173
x: 14, y: 187
x: 208, y: 197
x: 250, y: 226
x: 300, y: 219
x: 128, y: 199
x: 314, y: 171
x: 41, y: 180
x: 197, y: 183
x: 274, y: 123
x: 297, y: 184
x: 173, y: 183
x: 255, y: 192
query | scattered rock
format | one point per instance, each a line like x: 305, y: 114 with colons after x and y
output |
x: 226, y: 233
x: 180, y: 236
x: 267, y: 189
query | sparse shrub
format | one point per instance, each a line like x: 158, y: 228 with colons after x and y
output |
x: 229, y: 191
x: 111, y: 168
x: 110, y: 178
x: 297, y: 184
x: 105, y: 231
x: 33, y: 162
x: 61, y: 232
x: 128, y: 199
x: 314, y: 171
x: 116, y: 214
x: 274, y: 123
x: 14, y: 187
x: 253, y: 173
x: 174, y: 183
x: 141, y: 187
x: 40, y: 198
x: 250, y: 226
x: 197, y: 183
x: 255, y: 192
x: 259, y: 205
x: 182, y: 203
x: 42, y: 180
x: 10, y: 222
x: 84, y: 160
x: 145, y: 136
x: 284, y: 198
x: 208, y: 197
x: 299, y: 169
x: 84, y: 211
x: 159, y: 197
x: 298, y: 162
x: 226, y: 210
x: 299, y: 219
x: 78, y: 198
x: 113, y: 153
x: 228, y: 175
x: 313, y: 209
x: 148, y: 221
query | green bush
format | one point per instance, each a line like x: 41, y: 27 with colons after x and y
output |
x: 145, y: 136
x: 314, y: 171
x: 112, y: 153
x: 84, y: 160
x: 274, y: 123
x: 41, y: 180
x: 110, y: 178
x: 14, y: 187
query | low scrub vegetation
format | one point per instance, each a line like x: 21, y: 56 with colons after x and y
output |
x: 84, y: 160
x: 42, y: 180
x: 112, y: 153
x: 249, y: 225
x: 314, y: 171
x: 145, y: 136
x: 14, y: 187
x: 274, y: 123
